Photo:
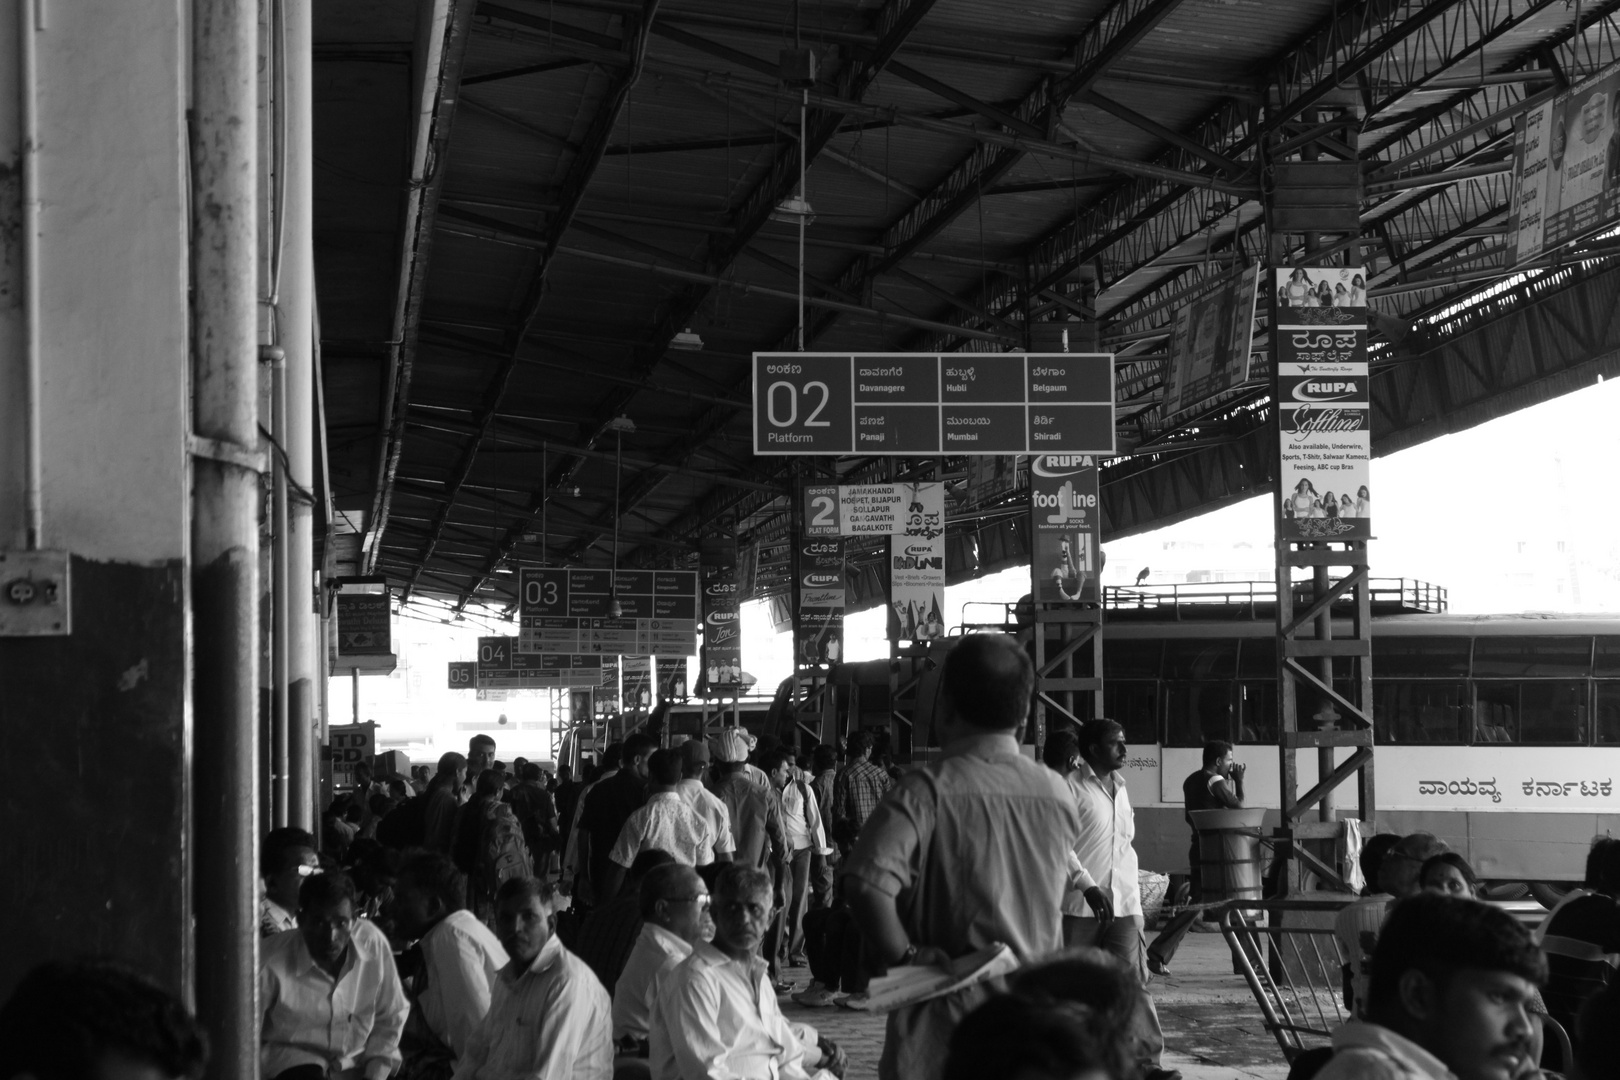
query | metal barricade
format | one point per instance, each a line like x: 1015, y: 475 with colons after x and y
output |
x: 1293, y: 967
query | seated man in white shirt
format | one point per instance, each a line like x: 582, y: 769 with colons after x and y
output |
x: 716, y: 1017
x: 286, y: 858
x: 675, y: 914
x: 332, y: 1001
x: 460, y: 959
x: 92, y: 1020
x: 1451, y: 983
x: 549, y: 1018
x: 667, y: 822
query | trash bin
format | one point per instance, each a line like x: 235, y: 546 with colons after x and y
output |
x: 1229, y: 853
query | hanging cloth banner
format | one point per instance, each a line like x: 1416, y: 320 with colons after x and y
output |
x: 722, y: 638
x: 1065, y: 528
x: 917, y: 566
x: 1322, y: 398
x: 819, y: 600
x: 638, y: 677
x: 671, y: 678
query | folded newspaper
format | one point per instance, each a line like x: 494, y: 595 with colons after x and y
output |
x: 914, y: 983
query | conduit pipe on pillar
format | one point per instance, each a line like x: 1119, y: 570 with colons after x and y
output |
x: 227, y: 467
x: 297, y: 306
x: 280, y: 661
x: 29, y: 22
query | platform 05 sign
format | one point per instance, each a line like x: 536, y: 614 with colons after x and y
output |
x: 1322, y: 400
x: 1065, y: 527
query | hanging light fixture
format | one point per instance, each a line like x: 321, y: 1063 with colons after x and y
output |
x: 618, y: 425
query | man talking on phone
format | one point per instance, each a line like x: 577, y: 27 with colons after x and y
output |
x: 1216, y: 786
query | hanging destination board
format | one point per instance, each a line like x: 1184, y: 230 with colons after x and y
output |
x: 502, y: 667
x: 568, y: 611
x: 918, y: 404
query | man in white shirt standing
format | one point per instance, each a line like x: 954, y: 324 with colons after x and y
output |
x: 675, y: 913
x: 460, y: 960
x: 1107, y: 875
x: 716, y: 1017
x: 694, y: 761
x: 801, y: 825
x: 333, y: 1005
x: 667, y: 822
x: 549, y: 1018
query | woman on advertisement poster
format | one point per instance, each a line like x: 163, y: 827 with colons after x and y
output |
x: 1363, y: 502
x: 1304, y: 502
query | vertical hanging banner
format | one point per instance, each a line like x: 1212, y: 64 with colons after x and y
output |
x: 819, y: 600
x: 638, y: 683
x: 1319, y: 328
x: 917, y: 565
x: 721, y: 671
x: 671, y: 678
x: 1065, y: 558
x: 607, y: 694
x: 1210, y: 342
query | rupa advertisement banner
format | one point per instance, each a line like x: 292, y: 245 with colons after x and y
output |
x: 1065, y: 528
x: 917, y: 565
x: 819, y: 600
x: 1322, y: 400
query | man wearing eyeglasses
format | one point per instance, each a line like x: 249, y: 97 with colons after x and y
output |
x: 333, y: 1004
x: 675, y: 910
x: 716, y: 1017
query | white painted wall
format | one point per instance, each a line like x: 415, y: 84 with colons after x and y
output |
x: 113, y: 278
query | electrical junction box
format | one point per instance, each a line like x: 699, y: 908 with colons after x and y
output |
x: 797, y: 68
x: 34, y: 597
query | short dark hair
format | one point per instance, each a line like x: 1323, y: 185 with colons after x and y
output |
x: 529, y: 771
x: 1016, y: 1036
x: 272, y: 853
x: 1372, y: 856
x: 1603, y: 865
x: 1094, y: 732
x: 450, y: 762
x: 739, y: 880
x: 326, y: 890
x: 523, y: 888
x: 1452, y: 859
x: 824, y: 757
x: 613, y: 756
x: 858, y: 743
x: 1061, y: 745
x: 1439, y: 934
x: 771, y: 759
x: 436, y: 875
x: 1214, y: 750
x: 659, y: 884
x: 637, y: 744
x: 64, y: 1018
x: 989, y: 681
x: 647, y: 861
x: 481, y: 740
x: 664, y: 768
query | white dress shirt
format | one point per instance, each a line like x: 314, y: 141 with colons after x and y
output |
x: 550, y: 1021
x: 712, y: 810
x: 657, y: 951
x: 273, y: 918
x: 350, y: 1024
x: 1107, y: 827
x: 669, y: 822
x: 717, y: 1019
x: 462, y: 959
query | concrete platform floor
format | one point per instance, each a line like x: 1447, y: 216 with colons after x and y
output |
x: 1212, y: 1026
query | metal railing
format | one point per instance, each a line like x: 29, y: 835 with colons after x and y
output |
x: 1296, y: 973
x: 1406, y: 593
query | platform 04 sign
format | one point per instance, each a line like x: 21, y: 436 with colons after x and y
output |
x: 568, y: 611
x: 502, y: 667
x: 1322, y: 399
x: 921, y: 404
x: 1066, y: 528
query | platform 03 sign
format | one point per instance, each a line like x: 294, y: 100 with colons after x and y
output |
x: 921, y: 404
x: 1566, y: 165
x: 502, y: 667
x: 1322, y: 400
x: 1066, y: 528
x: 568, y: 611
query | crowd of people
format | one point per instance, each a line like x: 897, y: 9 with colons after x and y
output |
x: 495, y: 923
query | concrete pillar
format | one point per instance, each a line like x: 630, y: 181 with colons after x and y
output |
x: 96, y: 727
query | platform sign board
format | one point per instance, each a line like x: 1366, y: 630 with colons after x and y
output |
x: 869, y: 509
x: 502, y: 667
x: 364, y: 624
x: 922, y: 404
x: 568, y: 611
x: 1065, y: 528
x: 463, y: 674
x: 1566, y: 166
x: 1210, y: 342
x: 1322, y: 400
x: 818, y: 597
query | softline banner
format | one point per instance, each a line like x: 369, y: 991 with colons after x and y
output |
x: 1210, y: 342
x: 1566, y: 167
x: 917, y: 566
x: 819, y: 600
x: 1322, y: 399
x: 1065, y: 528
